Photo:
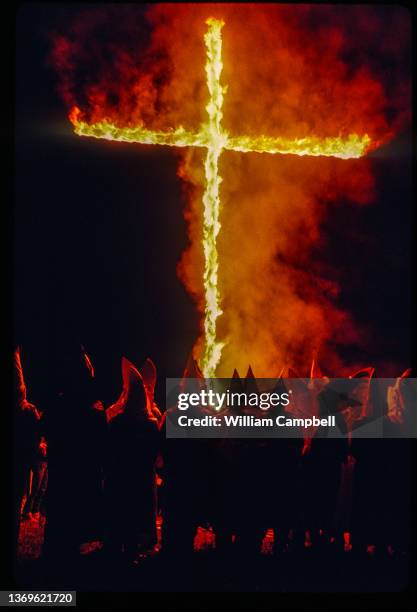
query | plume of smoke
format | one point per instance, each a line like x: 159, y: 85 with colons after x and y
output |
x: 291, y: 71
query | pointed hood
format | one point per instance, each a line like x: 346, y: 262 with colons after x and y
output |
x: 148, y: 372
x: 361, y: 393
x: 315, y: 371
x: 88, y: 362
x: 20, y: 386
x: 395, y: 399
x: 236, y: 384
x: 192, y: 371
x: 317, y: 381
x: 74, y: 376
x: 289, y: 372
x: 250, y: 382
x: 134, y: 391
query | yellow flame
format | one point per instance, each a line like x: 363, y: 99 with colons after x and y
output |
x: 346, y: 148
x: 211, y: 197
x: 353, y: 146
x: 212, y: 136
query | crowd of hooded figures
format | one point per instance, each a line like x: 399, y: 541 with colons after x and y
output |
x: 104, y: 475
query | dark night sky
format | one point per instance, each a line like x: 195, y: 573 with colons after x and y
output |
x: 99, y: 230
x: 98, y: 234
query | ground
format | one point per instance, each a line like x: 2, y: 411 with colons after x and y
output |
x: 204, y: 569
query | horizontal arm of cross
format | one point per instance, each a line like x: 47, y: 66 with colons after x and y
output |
x: 353, y: 146
x: 173, y: 138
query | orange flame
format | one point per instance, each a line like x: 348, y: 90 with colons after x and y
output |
x: 293, y: 90
x: 213, y: 137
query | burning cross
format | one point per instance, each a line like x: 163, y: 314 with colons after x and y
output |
x: 215, y: 139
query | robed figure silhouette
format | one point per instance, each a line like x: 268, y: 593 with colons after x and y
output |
x: 26, y: 436
x: 322, y: 471
x: 132, y: 448
x: 75, y: 429
x: 382, y: 485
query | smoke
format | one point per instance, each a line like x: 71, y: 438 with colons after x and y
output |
x: 290, y: 70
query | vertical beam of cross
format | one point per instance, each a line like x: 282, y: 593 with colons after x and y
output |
x: 212, y: 136
x: 211, y: 197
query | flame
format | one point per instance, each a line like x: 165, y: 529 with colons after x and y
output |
x: 215, y: 139
x: 211, y: 197
x: 352, y: 147
x: 347, y: 546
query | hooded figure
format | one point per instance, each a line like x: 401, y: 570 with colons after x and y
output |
x: 75, y: 432
x: 382, y: 480
x: 322, y: 471
x: 285, y: 495
x: 397, y: 464
x: 187, y: 474
x: 132, y: 449
x: 225, y: 484
x: 26, y: 432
